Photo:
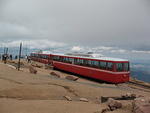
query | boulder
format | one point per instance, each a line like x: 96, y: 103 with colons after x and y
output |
x: 114, y: 104
x: 68, y: 98
x: 129, y: 96
x: 47, y: 66
x: 141, y: 105
x: 39, y: 66
x: 133, y: 95
x: 84, y: 100
x: 71, y: 78
x: 32, y: 70
x: 105, y: 110
x: 36, y: 65
x: 55, y: 74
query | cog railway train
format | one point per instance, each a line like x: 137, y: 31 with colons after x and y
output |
x: 112, y: 70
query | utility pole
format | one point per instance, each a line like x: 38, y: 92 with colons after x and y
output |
x: 6, y: 51
x: 19, y: 56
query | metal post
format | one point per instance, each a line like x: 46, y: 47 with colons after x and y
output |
x: 19, y: 56
x: 6, y: 51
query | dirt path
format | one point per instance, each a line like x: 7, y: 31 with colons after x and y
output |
x: 22, y: 92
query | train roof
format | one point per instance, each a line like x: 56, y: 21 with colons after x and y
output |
x: 96, y: 58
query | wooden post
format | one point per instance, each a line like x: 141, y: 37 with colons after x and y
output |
x: 19, y: 56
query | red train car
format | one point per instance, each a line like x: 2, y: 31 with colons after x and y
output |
x: 42, y: 58
x: 111, y: 70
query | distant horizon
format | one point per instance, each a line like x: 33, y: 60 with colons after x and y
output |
x: 133, y: 55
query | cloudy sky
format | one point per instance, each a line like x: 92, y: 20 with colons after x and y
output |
x: 93, y: 23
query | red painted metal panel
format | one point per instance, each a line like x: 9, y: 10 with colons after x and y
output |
x: 113, y: 77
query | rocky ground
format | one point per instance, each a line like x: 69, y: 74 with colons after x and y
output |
x: 24, y: 92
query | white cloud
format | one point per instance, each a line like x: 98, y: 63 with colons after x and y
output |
x: 39, y: 44
x: 138, y: 66
x: 119, y: 51
x: 137, y: 51
x: 104, y: 48
x: 76, y: 48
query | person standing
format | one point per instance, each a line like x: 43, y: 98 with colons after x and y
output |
x: 5, y: 58
x: 10, y: 56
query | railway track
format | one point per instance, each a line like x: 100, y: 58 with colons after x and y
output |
x: 138, y: 85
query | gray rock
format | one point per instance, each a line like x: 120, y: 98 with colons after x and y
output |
x: 141, y: 105
x: 55, y: 74
x: 68, y: 98
x: 105, y: 110
x: 32, y: 70
x: 114, y: 104
x: 71, y: 78
x: 84, y: 100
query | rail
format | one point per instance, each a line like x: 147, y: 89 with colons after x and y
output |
x: 140, y: 85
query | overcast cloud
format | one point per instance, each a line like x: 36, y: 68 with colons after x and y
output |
x: 119, y: 23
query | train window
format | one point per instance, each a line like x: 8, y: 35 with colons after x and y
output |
x: 89, y: 62
x: 46, y: 56
x: 70, y: 60
x: 61, y: 59
x: 126, y: 66
x: 75, y: 61
x: 119, y: 67
x: 78, y: 61
x: 85, y: 62
x: 110, y: 66
x: 56, y: 58
x: 66, y: 59
x: 81, y: 61
x: 103, y: 65
x: 94, y: 64
x: 43, y: 56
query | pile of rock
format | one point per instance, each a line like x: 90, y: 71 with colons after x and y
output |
x: 72, y: 78
x: 68, y: 98
x: 48, y: 66
x: 129, y: 96
x: 141, y: 105
x: 84, y: 100
x: 55, y: 74
x: 114, y: 104
x: 37, y: 65
x: 32, y: 70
